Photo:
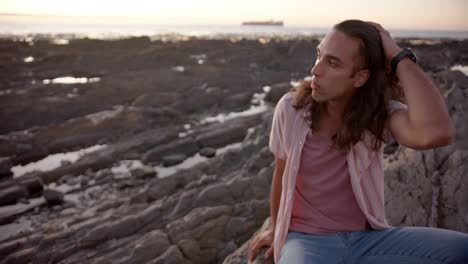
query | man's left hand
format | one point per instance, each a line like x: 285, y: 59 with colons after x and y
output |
x: 391, y: 48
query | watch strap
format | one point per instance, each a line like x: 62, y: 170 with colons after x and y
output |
x: 405, y: 52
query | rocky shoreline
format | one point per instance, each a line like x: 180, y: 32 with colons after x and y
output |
x: 177, y: 167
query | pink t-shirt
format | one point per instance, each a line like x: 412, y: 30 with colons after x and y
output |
x: 324, y: 201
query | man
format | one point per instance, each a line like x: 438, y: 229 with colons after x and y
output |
x: 327, y: 201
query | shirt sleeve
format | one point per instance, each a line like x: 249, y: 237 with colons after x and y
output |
x: 276, y: 143
x: 393, y: 105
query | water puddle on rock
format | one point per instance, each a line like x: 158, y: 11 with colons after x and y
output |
x: 99, y: 117
x: 71, y: 80
x: 192, y: 161
x: 15, y: 228
x: 21, y: 224
x: 53, y: 161
x: 258, y: 106
x: 200, y: 58
x: 59, y: 41
x: 7, y: 91
x: 461, y: 68
x: 178, y: 68
x: 28, y: 59
x: 123, y: 170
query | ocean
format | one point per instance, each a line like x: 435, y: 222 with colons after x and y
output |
x: 38, y: 25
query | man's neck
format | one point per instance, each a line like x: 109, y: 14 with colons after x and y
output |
x: 335, y: 110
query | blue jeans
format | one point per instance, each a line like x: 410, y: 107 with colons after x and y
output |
x: 408, y: 245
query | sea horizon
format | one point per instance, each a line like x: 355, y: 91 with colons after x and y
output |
x: 92, y: 27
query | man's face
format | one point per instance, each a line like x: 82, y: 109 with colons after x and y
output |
x: 332, y: 75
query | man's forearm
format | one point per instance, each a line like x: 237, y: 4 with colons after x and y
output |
x: 275, y: 196
x: 426, y: 106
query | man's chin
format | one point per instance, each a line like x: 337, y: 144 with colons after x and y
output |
x: 317, y: 97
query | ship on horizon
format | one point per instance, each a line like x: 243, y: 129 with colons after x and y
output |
x: 263, y: 23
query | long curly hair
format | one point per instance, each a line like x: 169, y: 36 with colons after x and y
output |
x: 367, y: 109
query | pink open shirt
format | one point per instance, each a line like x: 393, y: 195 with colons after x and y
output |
x: 287, y: 137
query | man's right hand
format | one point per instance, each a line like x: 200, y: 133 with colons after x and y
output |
x: 264, y: 238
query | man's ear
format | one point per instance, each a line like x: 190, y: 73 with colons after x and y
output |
x: 361, y: 77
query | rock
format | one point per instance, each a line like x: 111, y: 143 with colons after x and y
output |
x: 143, y: 249
x: 218, y: 192
x: 5, y: 166
x: 32, y: 184
x: 151, y: 246
x: 68, y: 142
x: 172, y: 160
x: 204, y: 180
x: 165, y: 186
x: 161, y: 115
x: 23, y: 256
x: 22, y: 148
x: 237, y: 101
x: 155, y: 99
x: 277, y: 91
x: 23, y: 201
x: 185, y: 146
x: 261, y: 159
x: 172, y: 255
x: 238, y: 185
x: 190, y: 249
x: 274, y: 64
x: 222, y: 136
x: 12, y: 194
x: 237, y: 226
x: 84, y: 182
x: 461, y: 141
x: 73, y: 180
x: 390, y: 148
x: 12, y: 213
x: 65, y: 163
x: 110, y: 230
x: 208, y: 152
x: 193, y: 102
x: 240, y: 255
x: 458, y: 78
x: 427, y: 184
x: 124, y: 184
x: 70, y: 212
x: 228, y: 249
x: 66, y: 178
x: 204, y: 224
x: 143, y: 172
x: 52, y: 196
x: 213, y: 91
x: 185, y: 203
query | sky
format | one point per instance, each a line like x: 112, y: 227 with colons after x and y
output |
x: 397, y: 14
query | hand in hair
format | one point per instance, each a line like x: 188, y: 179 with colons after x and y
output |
x: 391, y: 48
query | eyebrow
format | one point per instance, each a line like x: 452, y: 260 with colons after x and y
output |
x: 330, y: 56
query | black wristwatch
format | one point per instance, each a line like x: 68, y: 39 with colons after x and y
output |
x: 406, y: 52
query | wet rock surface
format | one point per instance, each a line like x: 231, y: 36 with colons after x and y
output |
x: 179, y: 170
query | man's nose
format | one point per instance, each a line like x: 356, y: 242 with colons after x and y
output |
x: 316, y: 69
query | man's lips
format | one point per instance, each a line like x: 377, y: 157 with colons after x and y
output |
x: 314, y: 85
